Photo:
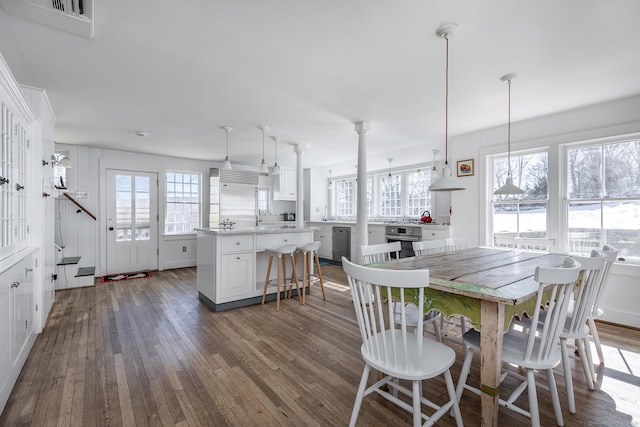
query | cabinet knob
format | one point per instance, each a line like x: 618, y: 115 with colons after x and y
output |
x: 285, y: 240
x: 110, y: 228
x: 238, y: 258
x: 15, y: 284
x: 237, y: 243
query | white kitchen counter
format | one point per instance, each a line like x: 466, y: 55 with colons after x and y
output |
x: 232, y: 263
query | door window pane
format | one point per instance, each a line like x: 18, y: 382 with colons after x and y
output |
x: 142, y: 208
x: 124, y: 208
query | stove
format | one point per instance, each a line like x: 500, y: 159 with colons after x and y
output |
x: 406, y: 235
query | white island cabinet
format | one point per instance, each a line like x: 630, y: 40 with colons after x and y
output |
x: 232, y: 264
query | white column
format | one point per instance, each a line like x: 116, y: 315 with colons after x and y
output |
x: 299, y: 150
x: 362, y: 228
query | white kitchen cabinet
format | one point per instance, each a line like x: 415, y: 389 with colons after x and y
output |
x: 237, y: 275
x: 273, y: 241
x: 324, y: 236
x: 434, y: 233
x: 377, y: 234
x: 284, y: 185
x: 16, y: 322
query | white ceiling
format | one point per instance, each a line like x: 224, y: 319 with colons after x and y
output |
x: 310, y: 69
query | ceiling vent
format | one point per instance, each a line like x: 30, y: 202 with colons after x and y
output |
x: 73, y: 16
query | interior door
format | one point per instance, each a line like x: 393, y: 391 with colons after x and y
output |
x: 132, y: 221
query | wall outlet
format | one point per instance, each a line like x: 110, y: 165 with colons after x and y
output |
x: 81, y: 194
x: 184, y: 249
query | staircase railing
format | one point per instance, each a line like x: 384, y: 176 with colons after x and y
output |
x: 82, y: 208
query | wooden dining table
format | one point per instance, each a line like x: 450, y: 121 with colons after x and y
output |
x: 488, y: 286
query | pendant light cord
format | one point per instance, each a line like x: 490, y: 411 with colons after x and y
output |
x: 509, y: 129
x: 446, y: 108
x: 227, y: 132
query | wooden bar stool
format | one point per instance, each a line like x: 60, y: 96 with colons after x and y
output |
x: 281, y: 253
x: 308, y: 251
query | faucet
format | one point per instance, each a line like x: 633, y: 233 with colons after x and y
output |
x: 227, y: 224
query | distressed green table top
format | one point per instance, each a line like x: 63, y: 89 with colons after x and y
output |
x: 460, y: 280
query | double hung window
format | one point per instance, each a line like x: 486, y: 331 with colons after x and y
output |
x: 524, y: 215
x: 603, y: 197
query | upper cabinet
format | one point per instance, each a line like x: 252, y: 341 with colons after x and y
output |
x: 284, y: 185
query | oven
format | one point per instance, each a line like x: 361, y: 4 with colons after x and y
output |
x: 406, y: 235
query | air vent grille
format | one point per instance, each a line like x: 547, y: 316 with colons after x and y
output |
x: 236, y: 176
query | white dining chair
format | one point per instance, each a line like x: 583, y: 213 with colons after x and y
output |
x: 534, y: 349
x: 381, y: 252
x: 575, y: 326
x: 429, y: 247
x: 395, y: 350
x: 456, y: 243
x: 612, y: 254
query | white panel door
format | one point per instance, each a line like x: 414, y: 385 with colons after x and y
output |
x: 132, y: 221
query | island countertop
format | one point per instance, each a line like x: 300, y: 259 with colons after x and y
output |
x: 260, y: 229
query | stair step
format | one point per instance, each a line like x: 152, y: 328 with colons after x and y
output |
x: 69, y: 260
x: 86, y: 271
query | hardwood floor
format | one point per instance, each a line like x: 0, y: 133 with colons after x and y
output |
x: 146, y: 352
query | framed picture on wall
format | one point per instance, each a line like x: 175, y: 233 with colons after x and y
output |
x: 465, y: 167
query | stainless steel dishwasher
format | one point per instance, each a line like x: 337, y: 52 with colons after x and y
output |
x: 341, y: 238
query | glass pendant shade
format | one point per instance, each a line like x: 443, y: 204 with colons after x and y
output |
x: 275, y: 170
x: 226, y: 166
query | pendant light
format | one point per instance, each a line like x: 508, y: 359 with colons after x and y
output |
x: 390, y: 160
x: 276, y: 169
x: 434, y: 170
x: 264, y: 170
x: 226, y: 166
x: 508, y: 187
x: 446, y: 182
x: 330, y: 180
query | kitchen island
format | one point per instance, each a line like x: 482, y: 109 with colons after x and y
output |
x: 232, y: 263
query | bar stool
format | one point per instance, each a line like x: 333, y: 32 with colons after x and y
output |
x: 310, y: 250
x: 282, y: 272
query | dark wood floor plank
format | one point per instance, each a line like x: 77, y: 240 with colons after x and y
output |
x: 147, y: 352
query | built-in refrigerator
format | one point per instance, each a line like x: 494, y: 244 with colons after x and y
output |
x: 233, y: 195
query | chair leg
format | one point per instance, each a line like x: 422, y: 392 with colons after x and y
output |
x: 294, y: 278
x: 568, y: 380
x: 555, y: 400
x: 319, y: 276
x: 417, y: 410
x: 280, y: 267
x: 596, y: 339
x: 464, y: 372
x: 305, y: 277
x: 451, y: 390
x: 266, y: 282
x: 360, y: 395
x: 533, y: 398
x: 436, y: 328
x: 587, y: 361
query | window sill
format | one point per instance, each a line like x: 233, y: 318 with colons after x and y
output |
x: 182, y: 236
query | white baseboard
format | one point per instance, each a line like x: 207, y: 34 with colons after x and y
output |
x: 178, y: 264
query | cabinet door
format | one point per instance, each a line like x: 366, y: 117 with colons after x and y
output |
x: 5, y: 327
x: 237, y: 275
x: 377, y: 234
x: 324, y: 237
x: 284, y: 185
x: 19, y: 293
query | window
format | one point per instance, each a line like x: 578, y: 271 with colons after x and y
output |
x: 404, y: 194
x: 390, y: 195
x: 183, y: 202
x: 345, y: 197
x: 603, y: 197
x: 418, y: 195
x: 525, y: 215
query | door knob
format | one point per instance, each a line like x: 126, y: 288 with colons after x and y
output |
x: 110, y: 228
